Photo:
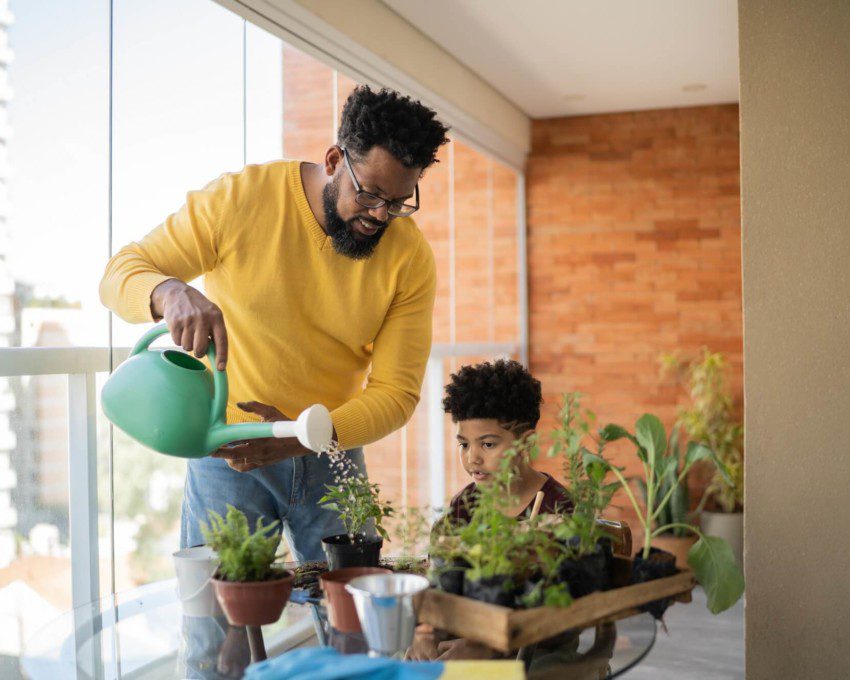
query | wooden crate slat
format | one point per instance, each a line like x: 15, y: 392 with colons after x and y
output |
x: 508, y: 629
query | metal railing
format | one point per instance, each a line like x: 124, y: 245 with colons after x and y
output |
x: 82, y: 364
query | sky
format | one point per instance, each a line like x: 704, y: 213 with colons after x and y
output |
x: 177, y: 123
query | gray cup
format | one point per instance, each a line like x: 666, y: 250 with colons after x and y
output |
x: 386, y: 607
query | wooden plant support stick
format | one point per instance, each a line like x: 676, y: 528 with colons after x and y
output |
x: 538, y: 500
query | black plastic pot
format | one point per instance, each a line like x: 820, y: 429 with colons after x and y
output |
x: 659, y: 564
x: 497, y: 589
x: 530, y: 594
x: 448, y: 577
x: 341, y: 552
x: 588, y: 573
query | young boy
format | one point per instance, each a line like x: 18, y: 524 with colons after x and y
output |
x: 494, y: 404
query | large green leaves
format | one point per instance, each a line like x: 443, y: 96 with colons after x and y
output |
x: 717, y: 572
x: 611, y: 433
x: 651, y: 436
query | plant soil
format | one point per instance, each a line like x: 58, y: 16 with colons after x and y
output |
x: 498, y: 590
x: 341, y: 552
x: 659, y: 564
x: 588, y: 573
x: 448, y: 577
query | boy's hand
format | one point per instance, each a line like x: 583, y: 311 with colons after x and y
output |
x: 424, y: 647
x: 463, y: 649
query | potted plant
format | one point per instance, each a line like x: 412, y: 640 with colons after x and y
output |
x: 411, y: 529
x: 359, y: 506
x: 493, y: 543
x: 676, y: 513
x: 710, y: 419
x: 710, y: 557
x: 587, y: 560
x: 446, y: 563
x: 342, y: 614
x: 251, y: 589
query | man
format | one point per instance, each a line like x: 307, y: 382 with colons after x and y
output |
x: 313, y: 273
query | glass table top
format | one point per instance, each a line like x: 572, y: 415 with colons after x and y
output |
x: 144, y: 633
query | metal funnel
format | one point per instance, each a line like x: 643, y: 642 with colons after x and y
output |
x: 386, y: 607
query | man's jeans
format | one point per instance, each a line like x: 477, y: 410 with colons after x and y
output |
x: 288, y: 491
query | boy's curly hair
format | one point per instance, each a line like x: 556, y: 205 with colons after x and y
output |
x: 407, y: 129
x: 503, y: 390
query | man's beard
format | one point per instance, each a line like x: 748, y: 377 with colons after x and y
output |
x: 345, y: 240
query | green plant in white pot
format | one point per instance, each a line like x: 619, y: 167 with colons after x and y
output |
x: 710, y: 419
x: 711, y: 558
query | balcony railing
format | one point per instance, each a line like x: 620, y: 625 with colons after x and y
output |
x: 82, y: 364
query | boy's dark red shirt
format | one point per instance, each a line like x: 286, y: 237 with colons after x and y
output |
x: 555, y: 499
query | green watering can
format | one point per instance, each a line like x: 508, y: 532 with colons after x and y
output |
x: 167, y: 400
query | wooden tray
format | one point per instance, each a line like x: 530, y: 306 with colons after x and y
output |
x: 507, y: 629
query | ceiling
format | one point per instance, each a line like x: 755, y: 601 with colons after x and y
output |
x: 573, y: 57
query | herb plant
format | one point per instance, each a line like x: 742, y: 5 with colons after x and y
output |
x: 244, y: 556
x: 586, y: 486
x: 358, y: 503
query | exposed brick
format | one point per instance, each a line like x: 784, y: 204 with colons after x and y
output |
x: 634, y: 249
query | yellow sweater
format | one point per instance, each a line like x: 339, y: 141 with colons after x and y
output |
x: 303, y: 323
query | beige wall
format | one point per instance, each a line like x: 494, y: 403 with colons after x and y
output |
x: 411, y: 51
x: 795, y: 171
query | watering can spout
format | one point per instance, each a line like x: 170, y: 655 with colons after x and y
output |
x: 313, y: 429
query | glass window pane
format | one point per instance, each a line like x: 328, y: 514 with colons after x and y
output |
x: 309, y: 117
x: 263, y: 95
x: 473, y: 271
x: 54, y: 122
x: 505, y: 249
x: 178, y: 107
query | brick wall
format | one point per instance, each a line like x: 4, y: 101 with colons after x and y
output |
x: 634, y: 249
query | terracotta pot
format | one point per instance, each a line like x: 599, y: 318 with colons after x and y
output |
x: 677, y: 545
x: 341, y: 612
x: 254, y: 603
x: 729, y: 526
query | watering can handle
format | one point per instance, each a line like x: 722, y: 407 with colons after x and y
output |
x: 219, y: 377
x: 145, y: 341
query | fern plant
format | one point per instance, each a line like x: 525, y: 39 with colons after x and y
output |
x: 244, y: 555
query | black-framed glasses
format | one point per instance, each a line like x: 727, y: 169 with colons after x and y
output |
x: 371, y: 201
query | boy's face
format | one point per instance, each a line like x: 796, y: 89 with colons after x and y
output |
x: 482, y: 443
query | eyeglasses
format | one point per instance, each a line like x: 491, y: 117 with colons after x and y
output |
x: 368, y: 200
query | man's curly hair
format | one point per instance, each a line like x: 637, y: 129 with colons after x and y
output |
x: 503, y: 390
x: 407, y: 129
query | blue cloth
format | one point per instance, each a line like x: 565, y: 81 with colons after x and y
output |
x: 325, y: 663
x: 288, y: 491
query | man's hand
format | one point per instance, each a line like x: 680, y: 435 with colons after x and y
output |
x: 255, y: 453
x: 191, y: 318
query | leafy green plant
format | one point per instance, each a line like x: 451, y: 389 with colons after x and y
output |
x: 675, y: 513
x: 412, y: 529
x: 244, y: 556
x: 358, y: 503
x: 710, y: 420
x: 711, y: 558
x: 492, y: 541
x: 586, y: 486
